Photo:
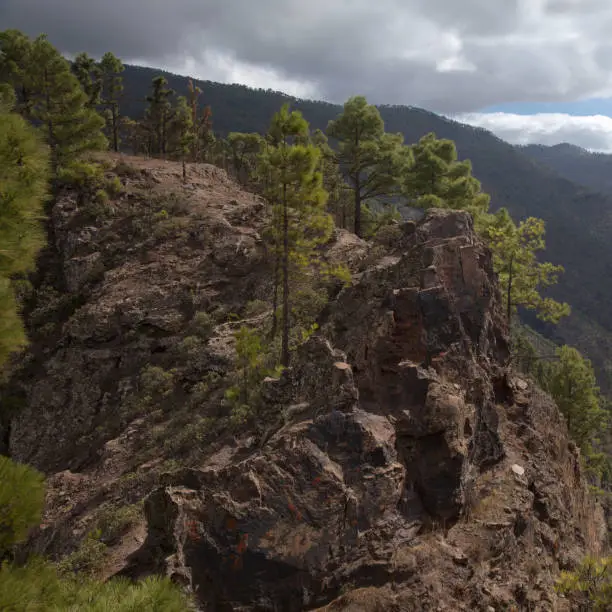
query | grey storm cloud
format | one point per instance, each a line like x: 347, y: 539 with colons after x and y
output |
x: 450, y: 56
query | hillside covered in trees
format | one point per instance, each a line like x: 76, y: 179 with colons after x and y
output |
x: 590, y: 169
x: 578, y: 219
x: 226, y: 359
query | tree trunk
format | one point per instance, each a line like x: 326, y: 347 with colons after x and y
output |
x: 184, y: 170
x: 51, y: 136
x: 357, y: 207
x: 162, y: 144
x: 285, y: 342
x: 509, y: 298
x: 275, y: 294
x: 115, y: 128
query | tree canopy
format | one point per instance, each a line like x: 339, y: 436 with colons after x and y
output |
x: 521, y: 276
x: 50, y: 95
x: 24, y: 171
x: 372, y: 161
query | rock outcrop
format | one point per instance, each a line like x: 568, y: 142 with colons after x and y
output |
x: 413, y: 470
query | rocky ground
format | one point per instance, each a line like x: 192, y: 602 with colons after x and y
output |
x: 402, y: 465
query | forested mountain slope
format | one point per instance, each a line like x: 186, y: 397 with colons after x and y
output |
x: 593, y: 170
x: 578, y: 221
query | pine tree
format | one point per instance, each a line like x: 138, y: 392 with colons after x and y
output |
x: 438, y: 179
x: 111, y: 68
x: 204, y: 138
x: 299, y: 220
x: 88, y: 74
x: 137, y: 135
x: 205, y: 134
x: 51, y: 96
x: 338, y: 200
x: 22, y: 495
x: 372, y: 160
x: 245, y: 148
x: 192, y: 100
x: 521, y: 276
x: 181, y: 136
x: 24, y: 164
x: 250, y: 361
x: 159, y: 114
x: 572, y: 384
x: 39, y: 586
x: 15, y: 59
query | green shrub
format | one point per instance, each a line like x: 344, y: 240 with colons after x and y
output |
x: 155, y: 382
x: 255, y: 308
x: 87, y: 559
x: 22, y: 495
x: 307, y: 305
x: 199, y: 394
x: 170, y: 227
x: 387, y: 235
x: 38, y: 587
x: 99, y: 208
x: 202, y: 325
x: 240, y: 415
x: 113, y: 187
x: 122, y: 168
x: 85, y: 177
x: 114, y: 521
x: 590, y: 585
x: 190, y: 346
x: 191, y: 436
x: 101, y: 197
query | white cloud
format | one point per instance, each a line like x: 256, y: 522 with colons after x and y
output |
x: 223, y: 68
x: 445, y: 55
x: 593, y: 132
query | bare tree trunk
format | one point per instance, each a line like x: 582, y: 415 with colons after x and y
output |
x: 509, y: 298
x: 285, y: 342
x: 275, y: 294
x: 115, y: 128
x: 357, y: 207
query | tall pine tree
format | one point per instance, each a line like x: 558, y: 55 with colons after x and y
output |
x: 571, y: 382
x: 111, y: 68
x: 24, y: 165
x: 181, y: 134
x: 438, y: 179
x: 299, y: 221
x: 521, y: 275
x: 338, y: 200
x: 50, y: 96
x: 245, y: 148
x: 372, y: 160
x: 88, y: 73
x: 159, y: 115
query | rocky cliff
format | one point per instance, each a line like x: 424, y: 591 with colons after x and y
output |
x: 402, y: 465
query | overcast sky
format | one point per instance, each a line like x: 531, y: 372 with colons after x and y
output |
x: 457, y: 57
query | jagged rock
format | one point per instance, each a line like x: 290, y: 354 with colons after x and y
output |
x: 397, y: 465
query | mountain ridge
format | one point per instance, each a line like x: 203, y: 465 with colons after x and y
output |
x: 578, y: 220
x: 395, y: 458
x: 591, y: 169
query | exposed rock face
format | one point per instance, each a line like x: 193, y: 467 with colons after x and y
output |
x: 413, y: 470
x: 353, y: 493
x: 127, y: 289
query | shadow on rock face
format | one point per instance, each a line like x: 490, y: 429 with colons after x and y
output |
x: 390, y: 413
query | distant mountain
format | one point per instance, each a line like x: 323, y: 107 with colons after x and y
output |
x: 578, y: 220
x: 592, y: 170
